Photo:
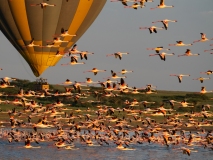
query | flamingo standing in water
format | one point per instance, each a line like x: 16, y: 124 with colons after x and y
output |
x: 73, y: 62
x: 201, y: 79
x: 162, y: 55
x: 180, y: 76
x: 165, y: 22
x: 43, y: 5
x: 188, y: 53
x: 118, y: 54
x: 152, y: 29
x: 162, y: 5
x: 158, y: 49
x: 180, y: 43
x: 203, y: 38
x: 95, y: 71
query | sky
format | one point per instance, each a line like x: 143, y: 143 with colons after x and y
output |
x: 117, y: 29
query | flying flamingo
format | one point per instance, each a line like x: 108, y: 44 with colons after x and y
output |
x: 188, y: 53
x: 89, y: 80
x: 43, y: 5
x: 165, y: 22
x: 162, y: 55
x: 95, y: 71
x: 203, y: 38
x: 158, y: 49
x: 50, y: 45
x: 207, y: 72
x: 180, y: 43
x: 73, y: 62
x: 31, y: 44
x: 114, y: 75
x: 57, y: 40
x: 208, y: 50
x: 65, y: 33
x: 180, y: 76
x: 201, y: 79
x: 118, y: 54
x: 135, y: 6
x: 84, y: 54
x: 73, y: 50
x: 124, y: 2
x: 67, y: 82
x: 162, y: 5
x: 152, y: 28
x: 203, y: 90
x: 124, y: 71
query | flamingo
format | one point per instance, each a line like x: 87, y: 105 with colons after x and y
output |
x: 31, y: 44
x: 4, y: 85
x: 124, y: 2
x: 43, y: 5
x: 201, y: 79
x: 114, y: 75
x: 188, y: 53
x: 152, y: 28
x: 165, y: 22
x: 67, y: 82
x: 57, y: 40
x: 180, y: 76
x: 118, y: 54
x: 73, y: 50
x: 84, y: 54
x: 162, y: 5
x: 89, y: 80
x: 65, y: 33
x: 5, y: 80
x: 124, y: 71
x: 73, y: 62
x: 135, y: 6
x: 207, y: 72
x: 203, y: 90
x: 203, y: 38
x: 208, y: 50
x: 158, y: 49
x: 50, y: 45
x: 162, y: 55
x: 180, y: 43
x: 95, y: 71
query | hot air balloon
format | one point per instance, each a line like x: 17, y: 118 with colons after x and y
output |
x: 29, y: 24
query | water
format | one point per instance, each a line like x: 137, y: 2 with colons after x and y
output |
x: 14, y: 150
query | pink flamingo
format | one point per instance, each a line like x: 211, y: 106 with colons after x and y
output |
x: 180, y: 43
x: 162, y: 55
x: 180, y: 76
x: 203, y: 38
x: 152, y: 28
x: 165, y: 22
x: 158, y: 49
x: 188, y: 53
x: 162, y: 5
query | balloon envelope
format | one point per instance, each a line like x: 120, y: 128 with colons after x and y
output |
x: 26, y: 21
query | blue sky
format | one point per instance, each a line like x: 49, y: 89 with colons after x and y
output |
x: 117, y: 29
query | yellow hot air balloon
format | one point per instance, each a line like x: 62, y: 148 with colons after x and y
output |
x: 32, y: 25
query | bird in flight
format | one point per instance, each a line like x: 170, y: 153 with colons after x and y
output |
x: 152, y: 29
x: 162, y: 5
x: 180, y: 76
x: 165, y: 22
x: 180, y: 43
x: 43, y: 5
